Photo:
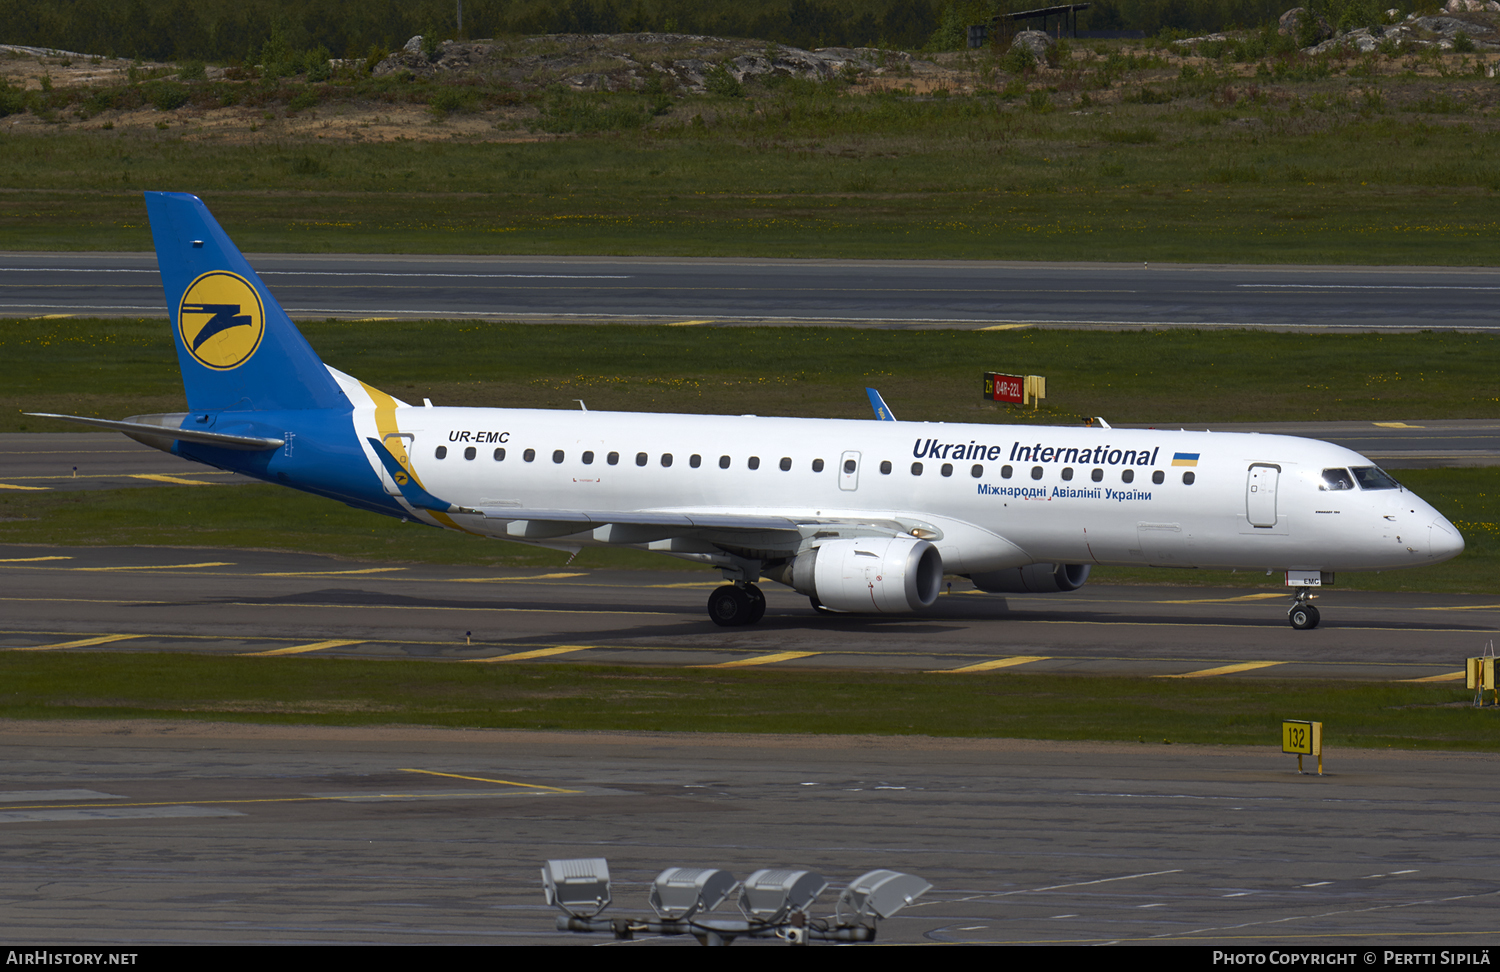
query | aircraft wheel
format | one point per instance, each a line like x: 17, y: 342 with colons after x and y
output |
x: 757, y: 603
x: 729, y: 606
x: 1304, y: 617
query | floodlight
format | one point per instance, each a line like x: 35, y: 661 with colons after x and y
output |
x: 678, y: 893
x: 880, y: 894
x: 771, y: 894
x: 579, y: 886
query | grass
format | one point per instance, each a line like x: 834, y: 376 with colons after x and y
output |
x: 576, y: 697
x: 116, y: 367
x: 1112, y: 156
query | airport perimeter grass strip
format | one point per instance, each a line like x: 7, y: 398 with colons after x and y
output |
x: 277, y: 518
x: 322, y: 691
x: 113, y: 367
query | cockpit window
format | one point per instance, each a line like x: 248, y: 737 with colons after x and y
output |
x: 1337, y: 479
x: 1372, y: 477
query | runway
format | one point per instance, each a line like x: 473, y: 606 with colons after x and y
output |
x: 128, y: 834
x: 706, y: 292
x: 243, y: 602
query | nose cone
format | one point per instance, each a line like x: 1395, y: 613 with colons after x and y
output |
x: 1444, y: 540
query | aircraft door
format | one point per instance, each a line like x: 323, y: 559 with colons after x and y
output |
x: 399, y: 444
x: 849, y: 471
x: 1260, y: 494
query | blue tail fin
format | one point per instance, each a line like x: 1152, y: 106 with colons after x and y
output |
x: 237, y: 348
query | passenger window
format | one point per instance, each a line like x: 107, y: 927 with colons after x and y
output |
x: 666, y: 459
x: 441, y: 452
x: 817, y: 466
x: 640, y: 458
x: 1337, y: 479
x: 557, y: 455
x: 1067, y: 474
x: 499, y: 455
x: 753, y: 462
x: 695, y: 460
x: 588, y: 458
x: 885, y: 467
x: 1128, y: 476
x: 916, y: 469
x: 786, y: 464
x: 613, y: 458
x: 1036, y: 472
x: 849, y: 466
x: 1005, y: 472
x: 723, y: 462
x: 1158, y: 477
x: 947, y: 469
x: 529, y: 455
x: 1097, y: 475
x: 976, y: 471
x: 470, y: 453
x: 1188, y: 478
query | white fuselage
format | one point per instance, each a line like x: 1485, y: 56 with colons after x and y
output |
x: 999, y: 495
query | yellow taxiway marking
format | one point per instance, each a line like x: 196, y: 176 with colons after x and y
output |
x: 990, y: 666
x: 30, y: 560
x: 780, y: 656
x: 496, y: 580
x: 80, y: 643
x: 1448, y: 677
x: 686, y: 323
x: 1225, y: 669
x: 1397, y: 425
x: 538, y: 653
x: 53, y: 317
x: 1460, y: 607
x: 1001, y: 327
x: 164, y: 478
x: 215, y: 563
x: 1227, y: 600
x: 482, y: 779
x: 329, y: 573
x: 14, y: 486
x: 299, y: 649
x: 717, y: 583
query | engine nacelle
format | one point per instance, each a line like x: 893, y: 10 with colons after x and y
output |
x: 1033, y: 579
x: 880, y: 574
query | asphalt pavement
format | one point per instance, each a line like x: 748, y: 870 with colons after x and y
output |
x: 706, y: 292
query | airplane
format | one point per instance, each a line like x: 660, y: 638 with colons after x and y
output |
x: 859, y: 516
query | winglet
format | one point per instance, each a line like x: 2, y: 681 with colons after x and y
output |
x: 410, y: 491
x: 882, y: 410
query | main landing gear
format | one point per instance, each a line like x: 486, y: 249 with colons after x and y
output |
x: 1303, y: 615
x: 736, y: 604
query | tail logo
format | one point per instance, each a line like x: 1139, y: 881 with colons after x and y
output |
x: 221, y: 320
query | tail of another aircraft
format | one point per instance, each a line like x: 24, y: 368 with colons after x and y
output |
x: 237, y: 348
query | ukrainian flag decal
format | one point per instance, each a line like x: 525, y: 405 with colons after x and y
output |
x: 221, y: 320
x: 1184, y: 458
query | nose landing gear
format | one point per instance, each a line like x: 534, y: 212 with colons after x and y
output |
x: 1303, y: 615
x: 734, y: 605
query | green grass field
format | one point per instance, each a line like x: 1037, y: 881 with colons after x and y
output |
x: 346, y: 692
x: 115, y: 367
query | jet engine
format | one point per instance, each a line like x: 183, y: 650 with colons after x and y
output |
x: 878, y: 574
x: 1033, y: 579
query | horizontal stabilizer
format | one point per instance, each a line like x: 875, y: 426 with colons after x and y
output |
x: 246, y: 443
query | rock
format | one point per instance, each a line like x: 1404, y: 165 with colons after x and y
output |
x: 413, y: 46
x: 1290, y: 25
x: 1035, y: 41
